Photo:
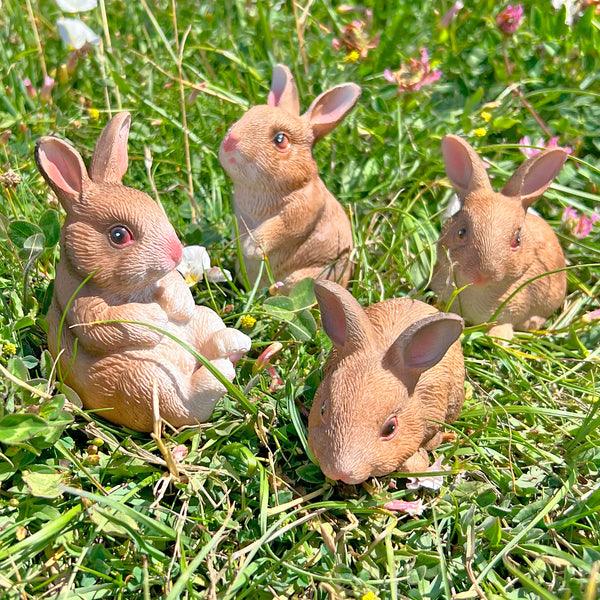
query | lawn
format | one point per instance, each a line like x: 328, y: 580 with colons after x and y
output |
x: 89, y: 510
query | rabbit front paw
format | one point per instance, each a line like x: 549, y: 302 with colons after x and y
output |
x: 227, y: 343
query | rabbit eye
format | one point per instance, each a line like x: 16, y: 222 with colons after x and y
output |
x: 515, y: 243
x: 323, y: 412
x: 390, y: 428
x: 281, y: 141
x: 120, y: 236
x: 462, y: 233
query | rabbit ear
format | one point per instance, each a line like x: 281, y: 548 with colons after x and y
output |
x: 463, y: 166
x: 344, y: 320
x: 62, y: 167
x: 284, y: 92
x: 109, y: 161
x: 422, y: 345
x: 535, y: 175
x: 329, y: 108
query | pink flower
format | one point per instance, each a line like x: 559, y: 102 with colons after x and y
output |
x: 579, y: 225
x: 509, y: 19
x: 179, y: 452
x: 591, y: 316
x: 355, y: 39
x: 415, y: 75
x: 414, y: 507
x: 431, y: 482
x: 265, y: 358
x: 551, y: 143
x: 447, y: 18
x: 46, y: 91
x: 31, y: 91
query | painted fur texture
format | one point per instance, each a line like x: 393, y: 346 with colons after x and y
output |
x: 118, y: 259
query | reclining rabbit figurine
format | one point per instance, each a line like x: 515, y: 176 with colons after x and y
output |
x: 493, y: 245
x: 118, y: 259
x: 395, y: 372
x: 284, y: 211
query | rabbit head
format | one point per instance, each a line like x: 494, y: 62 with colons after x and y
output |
x: 367, y: 417
x: 486, y: 237
x: 117, y: 234
x: 270, y: 147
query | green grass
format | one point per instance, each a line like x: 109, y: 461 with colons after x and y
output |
x: 250, y: 515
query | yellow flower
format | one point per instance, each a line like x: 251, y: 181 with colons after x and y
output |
x: 480, y: 132
x: 370, y: 596
x: 247, y: 322
x: 486, y: 116
x: 352, y: 56
x: 9, y: 349
x: 94, y: 114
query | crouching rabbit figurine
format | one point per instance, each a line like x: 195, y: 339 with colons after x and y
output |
x: 494, y: 245
x: 395, y: 373
x: 118, y: 259
x: 284, y: 211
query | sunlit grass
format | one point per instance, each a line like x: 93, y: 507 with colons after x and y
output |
x: 88, y: 510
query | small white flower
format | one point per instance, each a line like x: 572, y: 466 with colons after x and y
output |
x: 76, y: 33
x: 570, y: 7
x: 432, y: 483
x: 195, y: 265
x: 75, y: 6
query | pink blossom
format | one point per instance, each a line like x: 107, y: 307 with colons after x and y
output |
x: 355, y: 39
x: 431, y: 482
x: 551, y: 143
x: 46, y: 91
x: 265, y: 358
x: 509, y: 19
x: 415, y: 75
x: 579, y: 225
x: 414, y: 507
x: 179, y: 452
x: 31, y: 91
x: 594, y: 315
x: 447, y: 18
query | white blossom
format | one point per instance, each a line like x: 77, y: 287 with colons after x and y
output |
x: 76, y: 33
x: 195, y: 265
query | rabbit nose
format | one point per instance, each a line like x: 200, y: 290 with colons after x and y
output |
x: 342, y: 475
x: 175, y: 250
x: 230, y: 142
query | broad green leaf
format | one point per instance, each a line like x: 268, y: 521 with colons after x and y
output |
x: 44, y: 483
x: 20, y: 428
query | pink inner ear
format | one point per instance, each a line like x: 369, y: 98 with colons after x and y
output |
x: 334, y: 105
x: 271, y: 99
x: 542, y: 172
x: 334, y: 319
x: 458, y: 164
x: 63, y: 170
x: 429, y: 344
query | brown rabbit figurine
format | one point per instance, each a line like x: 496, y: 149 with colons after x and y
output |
x: 118, y: 259
x: 493, y: 245
x: 395, y: 372
x: 284, y: 211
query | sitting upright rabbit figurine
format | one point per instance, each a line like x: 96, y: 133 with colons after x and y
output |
x: 493, y: 245
x: 395, y: 372
x: 118, y: 259
x: 284, y: 211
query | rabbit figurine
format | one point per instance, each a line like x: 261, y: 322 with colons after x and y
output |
x: 494, y: 245
x: 285, y: 213
x: 395, y: 372
x: 118, y: 259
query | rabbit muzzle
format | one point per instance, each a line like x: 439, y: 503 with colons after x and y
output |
x: 229, y: 144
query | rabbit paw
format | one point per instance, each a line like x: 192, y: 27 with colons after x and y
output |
x: 227, y: 343
x: 504, y: 331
